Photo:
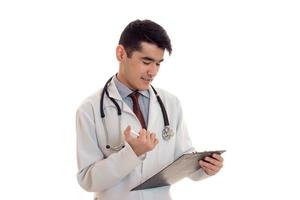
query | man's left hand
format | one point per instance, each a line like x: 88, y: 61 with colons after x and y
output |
x: 212, y: 164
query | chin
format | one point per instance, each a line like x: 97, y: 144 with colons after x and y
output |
x: 144, y: 87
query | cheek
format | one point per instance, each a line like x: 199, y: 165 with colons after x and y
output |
x: 157, y: 69
x: 133, y: 74
x: 136, y: 69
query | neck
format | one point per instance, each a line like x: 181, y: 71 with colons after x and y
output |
x: 122, y: 80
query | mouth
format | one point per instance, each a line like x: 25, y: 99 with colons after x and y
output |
x: 147, y: 79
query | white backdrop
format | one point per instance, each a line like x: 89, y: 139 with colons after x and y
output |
x: 239, y: 58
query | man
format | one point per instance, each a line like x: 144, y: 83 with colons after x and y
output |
x: 111, y: 158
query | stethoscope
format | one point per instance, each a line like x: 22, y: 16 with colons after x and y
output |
x: 167, y: 132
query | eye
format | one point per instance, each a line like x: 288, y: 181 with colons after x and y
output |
x: 146, y: 63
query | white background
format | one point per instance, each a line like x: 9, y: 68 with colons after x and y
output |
x: 240, y: 59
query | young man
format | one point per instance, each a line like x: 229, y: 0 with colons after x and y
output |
x: 121, y: 130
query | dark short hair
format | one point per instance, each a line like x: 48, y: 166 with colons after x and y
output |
x: 144, y: 31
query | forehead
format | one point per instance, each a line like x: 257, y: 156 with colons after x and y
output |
x: 150, y: 50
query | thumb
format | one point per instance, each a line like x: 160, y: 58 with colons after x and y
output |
x: 127, y: 133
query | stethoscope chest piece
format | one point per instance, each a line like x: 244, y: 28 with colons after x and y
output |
x: 167, y: 133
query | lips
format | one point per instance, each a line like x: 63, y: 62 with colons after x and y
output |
x: 147, y: 79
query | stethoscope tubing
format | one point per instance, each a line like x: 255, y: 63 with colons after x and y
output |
x: 105, y: 92
x: 163, y: 109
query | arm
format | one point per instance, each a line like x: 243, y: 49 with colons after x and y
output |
x: 96, y: 173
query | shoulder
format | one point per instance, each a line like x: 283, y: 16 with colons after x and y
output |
x: 172, y: 105
x: 90, y: 103
x: 167, y: 97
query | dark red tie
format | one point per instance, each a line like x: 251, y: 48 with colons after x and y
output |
x: 136, y: 108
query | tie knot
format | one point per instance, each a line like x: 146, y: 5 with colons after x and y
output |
x: 135, y: 95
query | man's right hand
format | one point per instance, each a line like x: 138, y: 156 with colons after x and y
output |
x: 143, y: 143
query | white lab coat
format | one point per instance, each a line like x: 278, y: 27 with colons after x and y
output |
x: 111, y: 175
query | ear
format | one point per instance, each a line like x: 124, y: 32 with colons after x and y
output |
x: 120, y: 53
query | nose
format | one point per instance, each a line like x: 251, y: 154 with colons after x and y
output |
x: 153, y: 69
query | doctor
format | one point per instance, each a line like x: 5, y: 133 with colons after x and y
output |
x: 129, y: 130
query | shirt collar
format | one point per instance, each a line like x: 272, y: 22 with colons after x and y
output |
x: 125, y: 91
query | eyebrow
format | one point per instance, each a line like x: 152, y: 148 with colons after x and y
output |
x: 151, y: 59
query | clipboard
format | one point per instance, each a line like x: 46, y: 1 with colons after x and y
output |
x: 182, y: 167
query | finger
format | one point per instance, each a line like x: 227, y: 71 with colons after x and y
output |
x: 201, y: 163
x: 155, y: 141
x: 143, y: 131
x: 209, y: 166
x: 152, y: 137
x: 214, y: 161
x: 218, y: 157
x: 209, y: 171
x: 148, y: 136
x: 127, y: 133
x: 142, y: 134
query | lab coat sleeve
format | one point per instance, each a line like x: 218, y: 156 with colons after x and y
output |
x: 97, y: 173
x: 184, y: 143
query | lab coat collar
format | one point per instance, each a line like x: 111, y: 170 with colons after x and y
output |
x: 114, y: 93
